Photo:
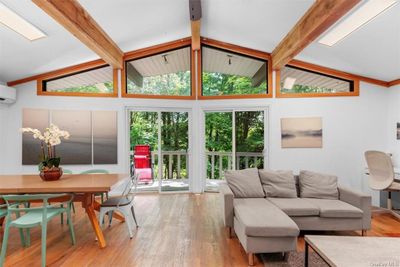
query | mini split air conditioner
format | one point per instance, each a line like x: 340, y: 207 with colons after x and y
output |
x: 8, y: 95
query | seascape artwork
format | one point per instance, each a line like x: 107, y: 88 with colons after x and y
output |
x: 301, y: 132
x: 398, y: 131
x: 93, y: 137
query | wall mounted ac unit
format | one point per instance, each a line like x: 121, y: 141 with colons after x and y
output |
x: 8, y: 95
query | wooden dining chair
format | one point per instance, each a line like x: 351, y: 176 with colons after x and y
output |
x: 121, y: 199
x: 29, y: 217
x: 98, y: 171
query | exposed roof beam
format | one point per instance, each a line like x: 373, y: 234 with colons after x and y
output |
x: 259, y: 76
x: 321, y: 15
x: 134, y: 75
x: 72, y: 16
x: 195, y: 24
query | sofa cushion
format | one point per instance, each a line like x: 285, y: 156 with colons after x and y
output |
x: 317, y: 185
x: 333, y: 208
x: 261, y: 218
x: 245, y: 183
x: 296, y: 207
x: 278, y: 183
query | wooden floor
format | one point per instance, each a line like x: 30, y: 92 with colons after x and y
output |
x: 175, y: 230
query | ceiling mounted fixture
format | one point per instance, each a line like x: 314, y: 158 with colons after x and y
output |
x: 165, y: 59
x: 18, y: 24
x: 289, y: 83
x: 229, y: 59
x: 361, y: 16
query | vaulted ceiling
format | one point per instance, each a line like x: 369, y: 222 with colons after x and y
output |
x: 372, y: 51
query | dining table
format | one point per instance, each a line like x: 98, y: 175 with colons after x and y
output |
x: 83, y: 186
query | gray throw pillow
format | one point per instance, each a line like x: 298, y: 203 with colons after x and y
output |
x: 278, y: 183
x: 245, y: 183
x: 318, y: 185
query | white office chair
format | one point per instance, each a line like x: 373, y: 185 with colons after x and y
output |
x: 121, y: 199
x: 381, y: 175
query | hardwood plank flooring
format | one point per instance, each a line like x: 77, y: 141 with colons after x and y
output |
x: 174, y: 230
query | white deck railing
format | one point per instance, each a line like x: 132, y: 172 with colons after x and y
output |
x: 220, y: 161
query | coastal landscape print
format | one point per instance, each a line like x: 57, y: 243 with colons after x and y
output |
x: 398, y: 131
x: 301, y: 132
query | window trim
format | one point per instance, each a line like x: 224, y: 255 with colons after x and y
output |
x: 319, y: 70
x: 72, y: 70
x: 238, y: 50
x: 155, y: 50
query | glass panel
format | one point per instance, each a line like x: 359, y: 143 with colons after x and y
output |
x: 218, y: 133
x: 249, y: 139
x: 162, y: 74
x: 99, y: 80
x: 174, y: 146
x: 144, y: 138
x: 105, y: 137
x: 36, y: 119
x: 78, y: 148
x: 295, y: 80
x: 227, y: 73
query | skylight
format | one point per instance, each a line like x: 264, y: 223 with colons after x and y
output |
x: 364, y: 14
x: 18, y: 24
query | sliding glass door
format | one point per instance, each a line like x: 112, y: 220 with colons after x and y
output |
x: 159, y: 142
x: 234, y: 140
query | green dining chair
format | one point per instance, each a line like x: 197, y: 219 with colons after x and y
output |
x: 3, y: 213
x: 27, y: 218
x: 98, y: 171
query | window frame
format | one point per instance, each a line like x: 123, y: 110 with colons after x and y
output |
x: 318, y: 70
x: 242, y: 51
x: 155, y: 50
x: 73, y: 70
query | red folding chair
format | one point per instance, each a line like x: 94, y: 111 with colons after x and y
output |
x: 142, y: 163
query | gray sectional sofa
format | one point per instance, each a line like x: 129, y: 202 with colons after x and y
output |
x: 267, y: 209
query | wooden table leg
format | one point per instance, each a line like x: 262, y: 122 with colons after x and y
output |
x: 116, y: 215
x: 89, y: 207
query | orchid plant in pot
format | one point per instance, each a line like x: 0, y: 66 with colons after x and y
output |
x: 49, y: 165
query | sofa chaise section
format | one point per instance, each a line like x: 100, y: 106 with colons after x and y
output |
x: 262, y: 227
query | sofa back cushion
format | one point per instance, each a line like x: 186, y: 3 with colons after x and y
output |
x: 278, y: 183
x: 245, y: 183
x: 318, y: 185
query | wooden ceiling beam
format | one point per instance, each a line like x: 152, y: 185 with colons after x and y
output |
x: 195, y: 22
x: 321, y: 15
x: 195, y: 27
x: 72, y: 16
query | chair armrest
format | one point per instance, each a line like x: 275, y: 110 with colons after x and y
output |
x: 359, y: 200
x: 227, y: 204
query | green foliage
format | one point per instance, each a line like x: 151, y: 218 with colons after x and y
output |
x: 166, y: 84
x: 215, y: 83
x: 299, y: 88
x: 88, y: 89
x: 49, y: 163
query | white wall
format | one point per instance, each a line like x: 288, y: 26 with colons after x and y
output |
x: 2, y: 140
x: 351, y: 125
x: 392, y: 118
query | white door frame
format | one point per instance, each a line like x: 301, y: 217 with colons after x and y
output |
x: 129, y: 109
x: 204, y: 110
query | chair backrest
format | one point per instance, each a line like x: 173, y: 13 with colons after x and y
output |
x: 96, y: 171
x: 127, y: 188
x: 381, y: 172
x: 14, y: 201
x: 142, y: 150
x: 142, y: 157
